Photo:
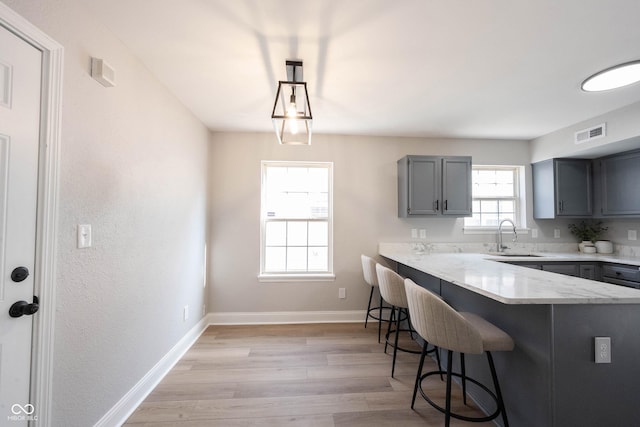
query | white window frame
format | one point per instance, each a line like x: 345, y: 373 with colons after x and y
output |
x: 295, y: 276
x: 519, y: 200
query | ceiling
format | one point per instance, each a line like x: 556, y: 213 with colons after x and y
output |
x: 447, y: 68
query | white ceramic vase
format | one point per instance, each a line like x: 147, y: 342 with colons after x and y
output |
x: 604, y: 247
x: 584, y: 243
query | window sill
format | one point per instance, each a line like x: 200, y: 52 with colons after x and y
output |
x: 311, y: 277
x: 492, y: 230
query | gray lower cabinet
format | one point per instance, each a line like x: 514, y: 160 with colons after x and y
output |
x: 434, y: 186
x: 562, y: 188
x: 589, y: 271
x: 621, y: 274
x: 619, y: 184
x: 568, y: 269
x: 585, y: 270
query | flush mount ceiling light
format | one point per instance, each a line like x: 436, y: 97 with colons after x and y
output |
x: 614, y: 77
x: 291, y: 114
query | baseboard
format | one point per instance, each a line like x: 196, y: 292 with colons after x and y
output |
x: 130, y: 401
x: 285, y: 317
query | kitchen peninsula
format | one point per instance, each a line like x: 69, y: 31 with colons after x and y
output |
x: 551, y: 378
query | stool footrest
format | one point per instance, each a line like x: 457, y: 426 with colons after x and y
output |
x: 392, y: 344
x: 453, y: 414
x: 377, y: 316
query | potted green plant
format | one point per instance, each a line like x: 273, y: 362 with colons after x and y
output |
x: 587, y: 232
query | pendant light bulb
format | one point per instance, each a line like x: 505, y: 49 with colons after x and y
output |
x: 292, y: 109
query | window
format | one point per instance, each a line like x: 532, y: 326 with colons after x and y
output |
x: 496, y: 196
x: 296, y: 221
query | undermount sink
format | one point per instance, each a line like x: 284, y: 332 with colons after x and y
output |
x: 515, y: 255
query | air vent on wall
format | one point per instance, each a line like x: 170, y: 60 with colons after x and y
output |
x: 591, y: 133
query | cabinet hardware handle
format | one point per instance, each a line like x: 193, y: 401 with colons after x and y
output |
x: 437, y: 204
x: 446, y: 205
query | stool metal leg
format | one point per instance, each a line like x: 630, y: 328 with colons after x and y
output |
x: 464, y: 380
x: 439, y: 365
x: 501, y: 407
x: 415, y: 387
x: 395, y: 345
x: 366, y: 319
x: 391, y: 320
x: 447, y: 411
x: 380, y: 320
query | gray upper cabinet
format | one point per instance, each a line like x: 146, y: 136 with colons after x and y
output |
x: 620, y: 184
x: 456, y: 186
x: 432, y: 185
x: 562, y: 188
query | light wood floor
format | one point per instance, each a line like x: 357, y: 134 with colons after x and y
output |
x: 319, y: 375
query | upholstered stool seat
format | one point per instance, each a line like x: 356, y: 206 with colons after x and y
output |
x: 392, y: 290
x: 443, y: 326
x: 371, y: 279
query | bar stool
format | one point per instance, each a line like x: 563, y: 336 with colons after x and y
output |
x: 441, y: 325
x: 371, y: 279
x: 392, y: 291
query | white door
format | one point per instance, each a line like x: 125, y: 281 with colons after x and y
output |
x: 20, y: 81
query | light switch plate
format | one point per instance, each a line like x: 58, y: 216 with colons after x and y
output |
x: 414, y: 233
x: 84, y: 236
x: 632, y: 235
x: 556, y: 233
x: 534, y: 233
x: 423, y: 233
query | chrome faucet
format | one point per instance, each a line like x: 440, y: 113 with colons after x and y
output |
x: 502, y: 247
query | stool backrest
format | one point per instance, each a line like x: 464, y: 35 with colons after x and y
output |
x: 369, y: 270
x: 391, y: 286
x: 438, y: 323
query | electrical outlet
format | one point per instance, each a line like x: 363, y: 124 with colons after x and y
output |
x: 632, y: 235
x: 342, y: 293
x: 534, y: 233
x: 185, y: 313
x: 414, y: 233
x: 602, y: 349
x: 556, y: 233
x: 423, y: 233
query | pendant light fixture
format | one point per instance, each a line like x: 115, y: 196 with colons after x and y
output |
x: 614, y: 77
x: 291, y: 114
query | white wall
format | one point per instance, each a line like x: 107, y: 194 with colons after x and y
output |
x: 623, y: 133
x: 365, y: 210
x: 133, y: 165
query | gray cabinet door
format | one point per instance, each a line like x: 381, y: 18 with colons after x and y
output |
x: 456, y: 186
x: 562, y: 188
x: 589, y: 271
x: 573, y: 187
x: 424, y: 185
x: 560, y: 268
x: 621, y: 184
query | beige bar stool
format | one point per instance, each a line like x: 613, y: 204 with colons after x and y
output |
x: 371, y: 279
x: 392, y: 291
x: 441, y: 325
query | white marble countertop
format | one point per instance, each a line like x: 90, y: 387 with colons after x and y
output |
x: 511, y: 284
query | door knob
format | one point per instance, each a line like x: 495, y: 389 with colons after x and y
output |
x: 22, y: 308
x: 19, y: 274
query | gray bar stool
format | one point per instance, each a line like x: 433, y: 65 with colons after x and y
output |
x: 371, y: 279
x: 392, y: 291
x: 441, y: 325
